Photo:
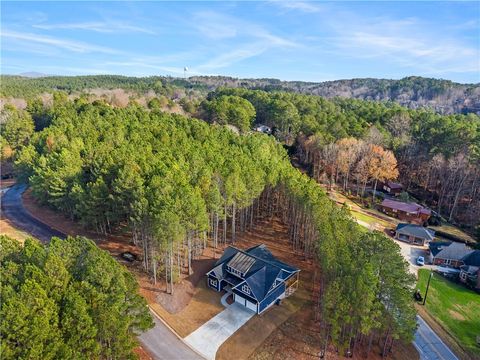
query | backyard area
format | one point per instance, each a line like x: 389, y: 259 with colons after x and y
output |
x: 456, y: 309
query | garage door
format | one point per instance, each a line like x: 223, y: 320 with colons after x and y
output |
x: 251, y: 305
x: 240, y: 300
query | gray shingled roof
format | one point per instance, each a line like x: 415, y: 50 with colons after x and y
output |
x: 455, y: 251
x: 415, y: 230
x: 437, y: 246
x: 258, y: 266
x: 472, y: 259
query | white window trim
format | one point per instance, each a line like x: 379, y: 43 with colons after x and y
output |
x: 246, y: 289
x: 213, y: 282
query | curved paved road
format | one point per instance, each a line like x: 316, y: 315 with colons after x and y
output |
x: 429, y: 345
x: 159, y: 341
x: 13, y: 210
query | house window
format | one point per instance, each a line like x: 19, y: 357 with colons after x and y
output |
x: 463, y: 275
x: 235, y: 271
x: 246, y: 289
x: 213, y: 282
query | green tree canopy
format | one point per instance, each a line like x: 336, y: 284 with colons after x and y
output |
x: 67, y: 300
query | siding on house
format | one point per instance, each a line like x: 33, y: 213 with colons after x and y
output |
x: 252, y: 274
x: 271, y: 297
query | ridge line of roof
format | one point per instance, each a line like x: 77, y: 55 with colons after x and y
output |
x: 259, y: 258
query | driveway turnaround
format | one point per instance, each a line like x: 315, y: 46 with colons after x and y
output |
x: 429, y: 345
x: 207, y: 338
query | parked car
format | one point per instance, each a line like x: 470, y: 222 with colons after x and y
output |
x: 127, y: 255
x: 421, y: 261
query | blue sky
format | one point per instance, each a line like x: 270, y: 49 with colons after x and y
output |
x: 309, y: 41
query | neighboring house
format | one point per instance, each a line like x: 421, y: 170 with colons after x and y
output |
x: 263, y: 129
x: 470, y: 276
x: 414, y: 234
x: 449, y: 254
x: 256, y: 278
x: 472, y: 259
x: 409, y: 212
x: 435, y: 247
x: 391, y: 187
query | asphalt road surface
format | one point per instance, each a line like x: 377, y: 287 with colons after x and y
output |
x: 429, y: 345
x: 13, y: 210
x: 160, y: 341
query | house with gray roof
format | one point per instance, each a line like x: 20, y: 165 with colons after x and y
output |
x: 451, y: 254
x: 414, y: 234
x: 255, y: 277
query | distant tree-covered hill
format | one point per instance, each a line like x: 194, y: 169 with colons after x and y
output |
x: 442, y: 96
x: 414, y: 92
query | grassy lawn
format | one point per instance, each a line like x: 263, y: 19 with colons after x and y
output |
x: 455, y: 231
x: 369, y: 219
x: 455, y: 307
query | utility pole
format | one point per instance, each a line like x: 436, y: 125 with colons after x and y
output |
x: 428, y: 285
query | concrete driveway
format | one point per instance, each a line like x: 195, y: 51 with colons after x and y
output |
x: 411, y: 253
x: 207, y: 338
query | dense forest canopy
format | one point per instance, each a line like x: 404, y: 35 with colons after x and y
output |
x: 438, y: 155
x: 176, y: 183
x: 429, y: 147
x: 67, y: 300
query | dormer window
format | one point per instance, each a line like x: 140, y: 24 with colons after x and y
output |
x: 246, y: 289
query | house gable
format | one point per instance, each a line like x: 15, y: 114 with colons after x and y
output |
x: 253, y: 274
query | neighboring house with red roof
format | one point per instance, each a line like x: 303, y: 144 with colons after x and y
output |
x: 409, y: 212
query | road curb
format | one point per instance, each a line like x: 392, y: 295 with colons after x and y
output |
x: 174, y: 332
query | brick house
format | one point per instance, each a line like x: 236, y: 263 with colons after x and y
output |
x: 408, y: 212
x: 451, y: 254
x: 470, y: 272
x: 414, y: 234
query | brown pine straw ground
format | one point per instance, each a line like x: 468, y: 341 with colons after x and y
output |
x: 282, y: 332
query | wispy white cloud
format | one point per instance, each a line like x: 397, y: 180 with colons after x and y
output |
x: 70, y: 45
x: 216, y: 25
x: 407, y: 42
x: 96, y: 26
x: 236, y: 55
x: 304, y: 6
x: 245, y: 39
